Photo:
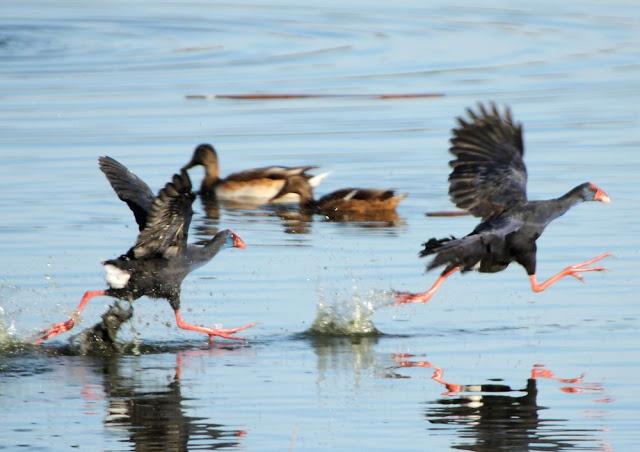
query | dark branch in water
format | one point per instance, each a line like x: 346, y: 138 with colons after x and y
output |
x: 287, y: 96
x: 447, y: 213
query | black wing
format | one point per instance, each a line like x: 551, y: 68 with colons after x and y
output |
x: 168, y: 221
x: 485, y: 242
x: 129, y: 188
x: 489, y: 175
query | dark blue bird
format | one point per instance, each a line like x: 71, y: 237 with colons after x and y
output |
x: 161, y: 258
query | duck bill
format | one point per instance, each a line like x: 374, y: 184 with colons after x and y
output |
x: 601, y: 196
x: 189, y: 165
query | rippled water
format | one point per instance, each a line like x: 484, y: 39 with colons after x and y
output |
x: 80, y: 81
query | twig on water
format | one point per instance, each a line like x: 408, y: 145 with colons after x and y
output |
x: 289, y: 96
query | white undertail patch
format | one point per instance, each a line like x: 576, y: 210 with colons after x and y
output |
x: 116, y: 277
x: 315, y: 180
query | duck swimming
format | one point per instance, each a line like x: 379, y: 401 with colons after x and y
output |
x: 253, y: 186
x: 343, y: 201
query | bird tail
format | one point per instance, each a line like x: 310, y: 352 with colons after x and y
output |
x: 452, y: 252
x: 315, y: 180
x: 433, y: 245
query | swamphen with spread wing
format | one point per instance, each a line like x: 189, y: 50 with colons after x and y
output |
x: 489, y: 180
x: 160, y: 259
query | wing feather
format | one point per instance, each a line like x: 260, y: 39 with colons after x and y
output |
x: 271, y: 172
x: 129, y: 188
x: 168, y: 221
x: 489, y: 175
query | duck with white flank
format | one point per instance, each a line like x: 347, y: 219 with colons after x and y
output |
x: 253, y: 186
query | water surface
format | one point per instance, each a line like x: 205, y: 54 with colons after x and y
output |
x: 80, y: 82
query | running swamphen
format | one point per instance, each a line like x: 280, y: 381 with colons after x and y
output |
x: 489, y: 180
x: 160, y: 259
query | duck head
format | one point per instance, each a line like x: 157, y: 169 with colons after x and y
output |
x: 205, y: 155
x: 298, y: 185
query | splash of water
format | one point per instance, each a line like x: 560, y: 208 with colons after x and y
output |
x: 348, y: 315
x: 8, y: 339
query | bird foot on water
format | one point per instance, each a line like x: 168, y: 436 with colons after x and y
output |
x: 228, y: 333
x: 409, y: 297
x: 54, y: 330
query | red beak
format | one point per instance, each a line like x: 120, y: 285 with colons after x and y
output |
x: 601, y: 196
x: 238, y: 242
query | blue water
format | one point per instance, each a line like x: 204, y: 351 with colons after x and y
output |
x: 82, y: 80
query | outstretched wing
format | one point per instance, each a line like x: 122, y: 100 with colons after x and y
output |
x: 129, y: 188
x: 489, y: 175
x: 168, y: 221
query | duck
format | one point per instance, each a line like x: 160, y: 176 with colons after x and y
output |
x: 489, y: 181
x: 250, y: 187
x: 160, y: 259
x: 342, y: 203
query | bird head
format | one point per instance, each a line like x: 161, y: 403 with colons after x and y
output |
x: 595, y: 193
x: 204, y: 155
x: 234, y: 240
x: 298, y: 185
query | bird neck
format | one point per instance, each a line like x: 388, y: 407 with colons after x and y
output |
x: 211, y: 172
x: 197, y: 256
x: 307, y: 202
x: 559, y: 206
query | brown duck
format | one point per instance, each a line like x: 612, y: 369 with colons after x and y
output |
x: 343, y: 201
x: 253, y: 186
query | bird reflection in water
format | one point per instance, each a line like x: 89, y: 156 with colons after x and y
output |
x: 153, y: 415
x: 495, y: 416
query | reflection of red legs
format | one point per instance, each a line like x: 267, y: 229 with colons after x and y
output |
x: 451, y: 387
x: 61, y: 327
x: 539, y: 371
x: 423, y: 297
x: 226, y: 333
x: 402, y: 361
x: 571, y: 270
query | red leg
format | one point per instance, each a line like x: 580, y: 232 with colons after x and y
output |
x: 61, y: 327
x: 423, y: 297
x: 571, y: 270
x: 226, y: 333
